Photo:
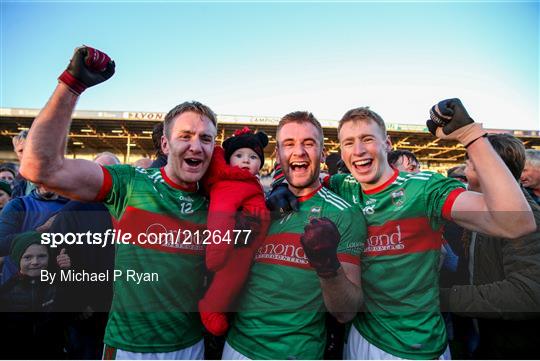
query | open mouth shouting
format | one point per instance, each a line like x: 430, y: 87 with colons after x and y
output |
x: 193, y: 163
x: 299, y: 167
x: 362, y: 165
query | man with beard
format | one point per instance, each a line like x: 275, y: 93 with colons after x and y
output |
x: 155, y: 319
x: 404, y: 213
x: 281, y: 313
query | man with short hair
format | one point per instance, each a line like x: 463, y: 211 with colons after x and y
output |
x: 281, y: 311
x: 18, y: 143
x: 504, y: 289
x: 404, y: 161
x: 161, y: 158
x: 21, y: 187
x: 106, y: 158
x: 404, y: 213
x: 457, y: 172
x: 156, y: 317
x: 530, y: 178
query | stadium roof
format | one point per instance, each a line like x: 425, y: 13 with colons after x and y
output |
x: 130, y: 132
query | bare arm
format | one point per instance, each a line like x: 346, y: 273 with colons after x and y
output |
x: 501, y: 209
x: 43, y: 160
x: 343, y: 294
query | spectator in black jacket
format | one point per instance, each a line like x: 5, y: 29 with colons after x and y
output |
x: 503, y: 294
x: 31, y: 320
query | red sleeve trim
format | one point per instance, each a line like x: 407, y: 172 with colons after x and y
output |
x: 105, y: 186
x: 349, y: 258
x: 449, y: 203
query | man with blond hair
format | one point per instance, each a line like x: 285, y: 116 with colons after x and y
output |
x: 156, y: 318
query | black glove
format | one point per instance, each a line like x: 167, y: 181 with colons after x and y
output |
x: 450, y: 120
x: 320, y: 241
x: 281, y: 200
x: 87, y: 67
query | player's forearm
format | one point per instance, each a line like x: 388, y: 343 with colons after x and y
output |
x: 503, y: 197
x: 341, y: 297
x: 45, y: 147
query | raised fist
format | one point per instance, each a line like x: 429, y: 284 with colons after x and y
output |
x: 87, y: 67
x: 450, y: 120
x: 320, y: 241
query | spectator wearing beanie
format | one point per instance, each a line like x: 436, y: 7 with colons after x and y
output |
x: 31, y: 325
x: 28, y: 213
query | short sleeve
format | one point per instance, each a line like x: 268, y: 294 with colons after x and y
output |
x: 439, y: 195
x: 116, y: 197
x: 334, y: 182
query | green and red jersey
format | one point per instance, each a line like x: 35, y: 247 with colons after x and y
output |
x: 159, y: 315
x: 281, y: 311
x: 400, y: 260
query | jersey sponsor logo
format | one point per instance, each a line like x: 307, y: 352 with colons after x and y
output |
x: 385, y: 241
x: 144, y: 225
x: 283, y: 249
x: 402, y: 236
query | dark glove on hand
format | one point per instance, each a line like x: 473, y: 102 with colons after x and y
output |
x: 320, y: 241
x: 281, y: 201
x: 450, y: 120
x: 246, y: 222
x: 87, y: 67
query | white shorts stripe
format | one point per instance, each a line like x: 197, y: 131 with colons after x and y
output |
x: 195, y: 352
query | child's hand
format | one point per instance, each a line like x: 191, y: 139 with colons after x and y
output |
x: 63, y: 259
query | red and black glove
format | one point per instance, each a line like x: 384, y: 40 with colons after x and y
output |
x: 87, y: 67
x: 450, y: 120
x: 256, y: 219
x: 245, y: 221
x: 320, y: 241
